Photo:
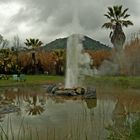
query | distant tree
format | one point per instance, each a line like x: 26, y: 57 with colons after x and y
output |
x: 5, y: 55
x: 132, y: 57
x: 34, y: 44
x: 1, y: 38
x: 5, y: 60
x: 3, y: 42
x: 117, y: 19
x: 16, y: 48
x: 60, y: 61
x: 49, y: 66
x: 99, y: 56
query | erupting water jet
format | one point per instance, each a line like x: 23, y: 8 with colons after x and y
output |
x: 77, y: 67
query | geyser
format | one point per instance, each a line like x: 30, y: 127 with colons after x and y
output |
x: 77, y: 67
x: 78, y: 62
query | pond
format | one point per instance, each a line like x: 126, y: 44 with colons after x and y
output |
x: 29, y: 113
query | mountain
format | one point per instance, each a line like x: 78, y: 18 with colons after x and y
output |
x: 88, y: 43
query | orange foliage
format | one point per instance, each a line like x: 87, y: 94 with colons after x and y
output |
x: 48, y: 60
x: 99, y: 56
x: 132, y: 47
x: 24, y: 59
x: 132, y: 52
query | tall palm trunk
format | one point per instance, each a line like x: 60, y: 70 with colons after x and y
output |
x: 33, y: 62
x: 118, y: 38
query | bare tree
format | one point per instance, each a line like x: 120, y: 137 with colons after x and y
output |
x: 3, y: 42
x: 16, y: 47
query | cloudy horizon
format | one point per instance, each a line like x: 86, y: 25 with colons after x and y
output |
x: 52, y: 19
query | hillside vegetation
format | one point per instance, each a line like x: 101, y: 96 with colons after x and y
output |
x: 88, y: 43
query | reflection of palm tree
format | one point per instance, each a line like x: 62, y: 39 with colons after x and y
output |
x: 119, y: 113
x: 119, y: 128
x: 9, y: 97
x: 35, y: 109
x: 125, y: 123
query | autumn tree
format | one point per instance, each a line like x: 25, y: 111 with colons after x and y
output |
x: 99, y: 56
x: 132, y: 57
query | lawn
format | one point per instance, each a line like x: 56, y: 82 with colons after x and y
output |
x: 101, y: 81
x: 32, y: 80
x: 114, y: 81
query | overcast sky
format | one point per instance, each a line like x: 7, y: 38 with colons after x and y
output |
x: 51, y: 19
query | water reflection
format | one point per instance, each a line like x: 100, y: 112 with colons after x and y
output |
x: 34, y: 108
x: 63, y: 118
x: 123, y: 117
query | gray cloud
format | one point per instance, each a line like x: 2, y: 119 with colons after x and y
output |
x: 51, y: 19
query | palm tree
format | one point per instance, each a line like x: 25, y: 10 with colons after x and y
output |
x: 34, y: 44
x: 117, y: 19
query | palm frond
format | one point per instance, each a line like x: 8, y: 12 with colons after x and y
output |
x: 113, y: 21
x: 40, y: 43
x: 111, y: 12
x: 108, y: 16
x: 32, y: 40
x: 115, y: 8
x: 120, y: 8
x: 126, y: 16
x: 27, y: 40
x: 107, y: 25
x: 124, y: 12
x: 126, y: 23
x: 36, y: 41
x: 117, y: 11
x: 27, y: 43
x: 110, y: 35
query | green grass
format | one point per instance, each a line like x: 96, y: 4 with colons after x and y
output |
x: 101, y: 81
x: 114, y: 81
x: 135, y: 135
x: 32, y: 80
x: 126, y: 134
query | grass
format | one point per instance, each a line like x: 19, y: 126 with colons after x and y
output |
x: 32, y: 80
x: 114, y: 81
x: 127, y: 133
x: 135, y: 135
x: 101, y: 81
x: 25, y: 131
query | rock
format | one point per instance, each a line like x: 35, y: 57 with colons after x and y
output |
x: 90, y: 93
x: 87, y: 93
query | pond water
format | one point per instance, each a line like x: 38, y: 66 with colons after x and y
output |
x: 29, y: 113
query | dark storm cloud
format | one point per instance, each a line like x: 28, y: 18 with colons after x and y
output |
x: 50, y: 19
